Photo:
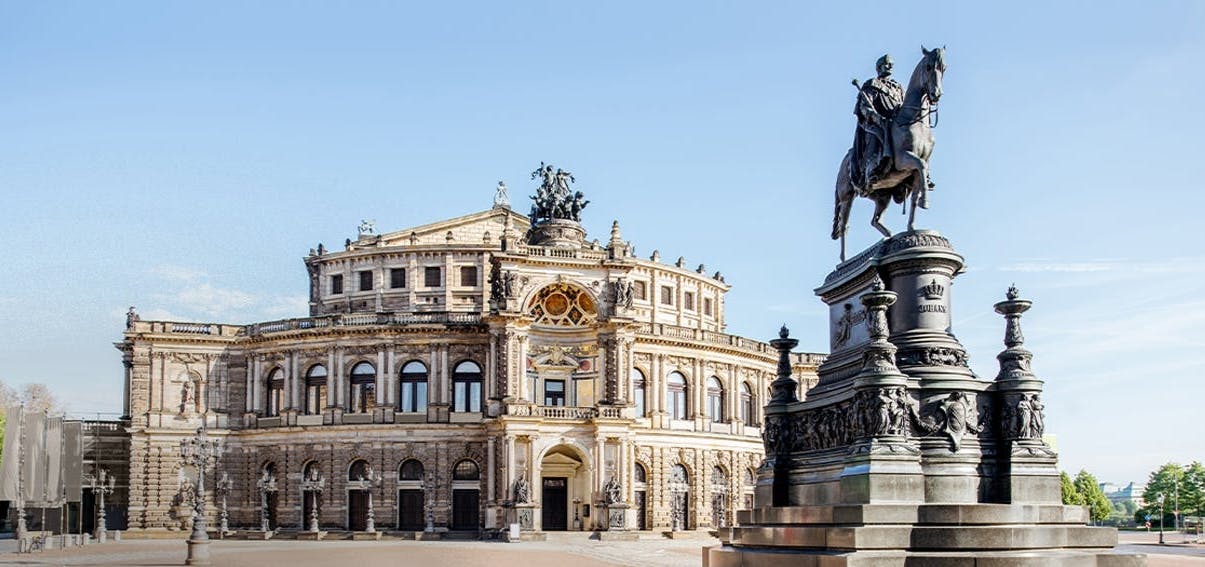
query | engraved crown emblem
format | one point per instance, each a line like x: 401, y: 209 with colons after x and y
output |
x: 934, y: 290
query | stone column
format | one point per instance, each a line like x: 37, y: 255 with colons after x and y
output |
x: 331, y: 401
x: 1030, y: 468
x: 340, y: 380
x: 249, y: 384
x: 258, y: 388
x: 382, y: 390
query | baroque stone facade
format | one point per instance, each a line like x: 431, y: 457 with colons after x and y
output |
x: 456, y: 376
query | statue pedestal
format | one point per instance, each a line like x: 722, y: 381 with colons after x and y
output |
x: 557, y: 233
x: 900, y: 455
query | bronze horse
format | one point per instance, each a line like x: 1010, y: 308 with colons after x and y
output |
x: 912, y: 143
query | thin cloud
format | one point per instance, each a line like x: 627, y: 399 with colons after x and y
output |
x: 178, y: 273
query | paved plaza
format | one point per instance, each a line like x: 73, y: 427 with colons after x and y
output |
x: 560, y: 550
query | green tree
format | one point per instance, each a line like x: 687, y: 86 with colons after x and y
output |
x: 1089, y: 490
x: 1071, y: 496
x: 1163, y: 482
x: 1192, y: 491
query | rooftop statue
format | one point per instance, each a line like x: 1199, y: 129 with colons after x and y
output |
x: 889, y: 160
x: 553, y: 198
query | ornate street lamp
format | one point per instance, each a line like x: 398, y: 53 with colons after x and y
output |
x: 102, y: 484
x: 373, y: 480
x: 314, y: 485
x: 198, y: 451
x: 223, y: 487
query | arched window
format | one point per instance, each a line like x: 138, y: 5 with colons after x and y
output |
x: 750, y: 484
x: 275, y: 385
x: 466, y: 387
x: 679, y: 490
x: 315, y: 389
x: 677, y: 397
x: 639, y: 474
x: 311, y: 472
x: 748, y: 410
x: 715, y: 399
x: 411, y: 470
x: 679, y: 475
x: 358, y: 470
x: 363, y: 388
x: 466, y: 470
x: 638, y: 391
x: 414, y: 387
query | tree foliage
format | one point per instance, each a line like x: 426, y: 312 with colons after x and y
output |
x: 33, y: 396
x: 1172, y: 480
x: 1089, y: 490
x: 1071, y: 496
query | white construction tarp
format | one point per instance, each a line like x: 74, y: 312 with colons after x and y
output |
x: 33, y: 446
x: 73, y: 460
x: 54, y: 462
x: 11, y: 459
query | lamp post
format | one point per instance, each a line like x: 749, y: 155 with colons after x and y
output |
x: 223, y: 487
x: 198, y: 451
x: 1161, y: 519
x: 373, y: 480
x: 314, y: 485
x: 102, y: 484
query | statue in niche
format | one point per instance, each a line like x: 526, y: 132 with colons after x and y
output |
x: 186, y: 396
x: 613, y: 491
x: 522, y: 491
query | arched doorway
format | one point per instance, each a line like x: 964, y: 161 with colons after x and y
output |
x: 679, y: 493
x: 564, y: 484
x: 358, y: 486
x: 410, y: 496
x: 268, y: 498
x: 719, y: 498
x: 466, y: 495
x: 640, y: 492
x: 311, y: 495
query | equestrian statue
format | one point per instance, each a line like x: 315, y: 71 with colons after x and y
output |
x: 889, y: 160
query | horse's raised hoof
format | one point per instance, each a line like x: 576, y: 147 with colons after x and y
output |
x: 932, y: 185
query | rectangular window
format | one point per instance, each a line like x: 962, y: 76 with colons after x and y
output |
x: 397, y: 278
x: 365, y: 281
x: 688, y: 300
x: 640, y: 290
x: 337, y: 284
x: 431, y: 276
x: 667, y: 295
x: 707, y: 306
x: 468, y: 276
x: 467, y: 397
x: 638, y: 394
x: 554, y: 392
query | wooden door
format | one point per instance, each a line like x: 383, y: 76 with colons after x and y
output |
x: 357, y: 510
x: 555, y: 504
x: 465, y: 514
x: 410, y: 510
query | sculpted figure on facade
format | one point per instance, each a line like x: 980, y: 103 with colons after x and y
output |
x: 553, y: 199
x: 614, y: 491
x: 522, y: 490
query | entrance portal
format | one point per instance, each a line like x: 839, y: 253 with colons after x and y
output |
x: 357, y: 510
x: 555, y: 512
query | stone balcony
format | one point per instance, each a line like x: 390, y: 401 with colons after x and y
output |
x: 571, y: 413
x: 363, y: 319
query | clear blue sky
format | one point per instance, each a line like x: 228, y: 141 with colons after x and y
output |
x: 183, y: 157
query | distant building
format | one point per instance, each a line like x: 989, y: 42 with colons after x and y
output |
x: 1132, y: 492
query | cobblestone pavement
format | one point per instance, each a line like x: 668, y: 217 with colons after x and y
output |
x: 560, y: 550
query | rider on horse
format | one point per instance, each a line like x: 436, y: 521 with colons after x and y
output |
x: 879, y: 99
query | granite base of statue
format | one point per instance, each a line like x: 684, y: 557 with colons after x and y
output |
x: 900, y: 455
x: 616, y: 523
